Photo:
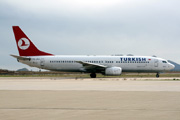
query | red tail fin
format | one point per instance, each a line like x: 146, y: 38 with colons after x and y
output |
x: 24, y: 44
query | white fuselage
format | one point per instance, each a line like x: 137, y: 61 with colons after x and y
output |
x: 127, y: 63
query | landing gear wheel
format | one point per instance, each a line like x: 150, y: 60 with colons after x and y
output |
x: 93, y: 75
x: 157, y: 75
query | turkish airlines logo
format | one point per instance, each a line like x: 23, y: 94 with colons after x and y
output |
x: 23, y: 43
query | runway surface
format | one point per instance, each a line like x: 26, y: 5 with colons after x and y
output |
x: 87, y: 99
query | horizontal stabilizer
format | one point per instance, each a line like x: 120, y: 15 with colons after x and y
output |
x: 21, y: 58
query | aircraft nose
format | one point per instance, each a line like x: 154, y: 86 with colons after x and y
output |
x: 171, y: 66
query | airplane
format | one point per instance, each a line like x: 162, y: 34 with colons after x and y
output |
x: 107, y: 65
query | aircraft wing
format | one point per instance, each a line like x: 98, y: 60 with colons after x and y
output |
x: 91, y: 66
x: 21, y: 57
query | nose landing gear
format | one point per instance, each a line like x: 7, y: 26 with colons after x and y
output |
x: 157, y: 75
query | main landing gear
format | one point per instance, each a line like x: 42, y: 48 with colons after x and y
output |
x: 93, y: 75
x: 157, y: 75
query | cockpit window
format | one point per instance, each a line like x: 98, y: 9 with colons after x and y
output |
x: 164, y: 62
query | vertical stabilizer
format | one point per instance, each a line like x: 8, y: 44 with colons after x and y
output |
x: 24, y: 44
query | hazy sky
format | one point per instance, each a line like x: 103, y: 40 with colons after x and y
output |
x: 97, y: 27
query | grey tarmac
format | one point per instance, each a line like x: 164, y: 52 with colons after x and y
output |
x: 87, y: 99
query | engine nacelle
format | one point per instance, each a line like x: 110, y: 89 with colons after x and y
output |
x: 113, y: 71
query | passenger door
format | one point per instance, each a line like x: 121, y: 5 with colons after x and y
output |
x: 156, y: 62
x: 42, y: 62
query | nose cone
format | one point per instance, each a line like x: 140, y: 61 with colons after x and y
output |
x: 171, y: 66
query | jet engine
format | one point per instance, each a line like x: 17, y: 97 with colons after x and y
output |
x: 113, y: 71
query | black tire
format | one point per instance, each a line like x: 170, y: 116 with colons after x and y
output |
x: 93, y: 75
x: 157, y: 75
